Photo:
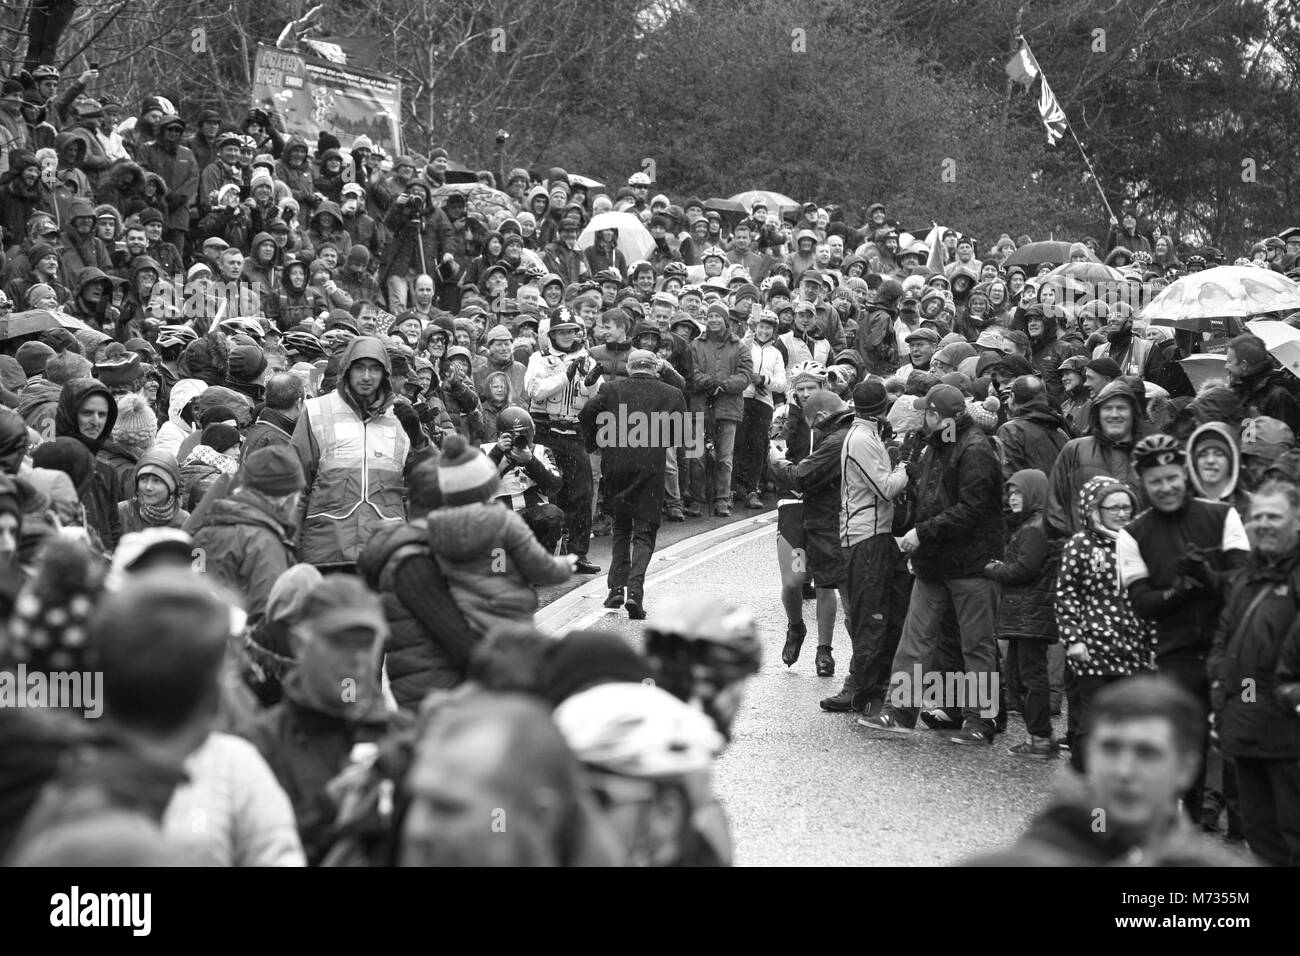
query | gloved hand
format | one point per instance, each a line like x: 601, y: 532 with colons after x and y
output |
x: 1192, y: 564
x: 913, y: 470
x: 574, y: 368
x: 592, y: 377
x: 410, y: 422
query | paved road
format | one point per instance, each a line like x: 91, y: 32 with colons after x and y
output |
x: 808, y: 788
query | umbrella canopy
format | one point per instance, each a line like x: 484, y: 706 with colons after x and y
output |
x: 587, y: 181
x: 1093, y: 272
x: 484, y: 200
x: 1281, y: 339
x: 1036, y: 253
x: 459, y: 176
x: 775, y: 202
x: 1203, y: 366
x: 634, y: 240
x: 1224, y: 291
x: 17, y: 324
x: 731, y: 210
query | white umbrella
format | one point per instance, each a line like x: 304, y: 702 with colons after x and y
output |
x: 1204, y: 366
x: 587, y: 181
x: 634, y: 240
x: 1281, y: 339
x: 1221, y: 292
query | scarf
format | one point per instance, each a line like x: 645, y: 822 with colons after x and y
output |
x: 160, y: 516
x: 210, y: 456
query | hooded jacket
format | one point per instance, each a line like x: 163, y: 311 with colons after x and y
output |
x: 1027, y: 574
x: 1092, y: 608
x: 297, y: 178
x: 81, y: 253
x: 245, y: 547
x: 958, y: 504
x: 354, y: 457
x: 129, y: 510
x: 179, y: 171
x: 1048, y: 352
x: 1226, y: 488
x: 1093, y: 454
x: 318, y: 234
x: 1264, y: 392
x: 1255, y: 638
x: 101, y: 492
x: 175, y: 430
x: 1032, y: 439
x: 491, y: 561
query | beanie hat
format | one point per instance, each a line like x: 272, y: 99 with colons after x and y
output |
x: 499, y: 333
x: 32, y: 356
x: 870, y: 398
x: 37, y: 292
x: 247, y: 362
x: 274, y: 471
x: 1079, y: 249
x: 149, y: 215
x: 60, y: 340
x: 214, y: 414
x: 122, y: 371
x: 465, y: 475
x: 156, y: 468
x: 1106, y: 366
x: 48, y: 628
x: 583, y: 658
x: 136, y: 425
x: 261, y: 178
x: 220, y: 437
x: 39, y: 251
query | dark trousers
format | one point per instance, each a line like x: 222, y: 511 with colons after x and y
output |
x: 1080, y: 691
x: 751, y: 447
x: 879, y: 587
x: 1270, y: 808
x: 1027, y: 675
x: 1189, y: 674
x: 634, y: 543
x: 574, y: 498
x: 547, y: 524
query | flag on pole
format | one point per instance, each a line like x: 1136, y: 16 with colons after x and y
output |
x: 1052, y: 114
x: 1021, y: 68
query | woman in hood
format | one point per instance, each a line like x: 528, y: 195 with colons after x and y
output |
x: 155, y: 491
x: 1026, y: 615
x: 326, y: 226
x: 1214, y: 461
x: 87, y: 413
x: 494, y: 247
x: 604, y: 253
x: 180, y: 415
x: 1104, y: 637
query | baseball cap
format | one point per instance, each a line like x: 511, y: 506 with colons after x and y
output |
x: 947, y: 400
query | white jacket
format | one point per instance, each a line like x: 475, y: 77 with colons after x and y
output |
x: 769, y: 369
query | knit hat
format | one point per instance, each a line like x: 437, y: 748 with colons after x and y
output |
x: 121, y: 371
x: 39, y: 251
x: 48, y: 628
x: 582, y: 659
x: 220, y: 437
x: 1106, y: 366
x: 160, y: 464
x: 37, y: 292
x: 261, y: 178
x: 465, y: 475
x: 247, y: 362
x: 499, y: 333
x: 275, y: 471
x: 1079, y: 249
x: 32, y: 356
x: 136, y: 425
x: 870, y: 398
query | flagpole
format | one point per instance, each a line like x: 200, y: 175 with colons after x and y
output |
x: 1042, y: 78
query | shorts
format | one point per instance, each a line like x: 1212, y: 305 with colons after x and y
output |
x: 789, y: 521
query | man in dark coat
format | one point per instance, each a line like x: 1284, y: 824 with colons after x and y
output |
x: 87, y: 412
x: 634, y: 422
x: 276, y: 421
x: 1258, y: 641
x: 1035, y: 434
x: 1257, y: 382
x: 958, y: 531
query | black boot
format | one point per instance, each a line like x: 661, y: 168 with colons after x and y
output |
x: 615, y: 598
x: 825, y: 662
x: 794, y: 635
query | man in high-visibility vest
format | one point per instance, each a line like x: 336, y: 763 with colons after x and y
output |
x: 355, y: 444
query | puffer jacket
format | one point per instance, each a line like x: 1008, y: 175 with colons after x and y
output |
x: 297, y: 178
x: 1048, y: 352
x: 179, y: 170
x: 318, y: 234
x: 1033, y: 439
x: 1090, y: 456
x: 1091, y: 606
x: 244, y: 547
x: 725, y: 362
x: 354, y: 459
x: 769, y: 372
x: 429, y: 640
x: 1256, y: 641
x: 1027, y: 574
x: 958, y: 504
x: 492, y: 561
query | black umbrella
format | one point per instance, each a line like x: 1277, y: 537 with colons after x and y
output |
x: 1036, y: 253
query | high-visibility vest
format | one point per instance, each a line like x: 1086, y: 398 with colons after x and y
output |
x: 358, y: 484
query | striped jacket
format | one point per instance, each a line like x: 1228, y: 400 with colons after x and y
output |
x: 869, y: 486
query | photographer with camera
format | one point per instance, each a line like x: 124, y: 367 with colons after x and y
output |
x: 421, y: 241
x: 529, y: 475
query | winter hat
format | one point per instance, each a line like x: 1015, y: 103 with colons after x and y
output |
x: 220, y: 437
x: 67, y: 455
x: 582, y: 659
x: 498, y: 333
x: 160, y: 464
x: 48, y: 628
x: 136, y: 425
x: 1079, y: 249
x: 1106, y: 366
x: 216, y: 414
x: 61, y: 340
x: 122, y: 371
x: 870, y: 398
x: 32, y: 356
x: 465, y: 475
x: 247, y: 362
x: 261, y: 178
x: 37, y: 292
x: 39, y: 251
x: 274, y: 470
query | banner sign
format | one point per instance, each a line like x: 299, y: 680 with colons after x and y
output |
x: 312, y: 95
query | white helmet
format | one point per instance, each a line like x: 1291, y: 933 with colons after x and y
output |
x: 638, y: 730
x: 638, y: 179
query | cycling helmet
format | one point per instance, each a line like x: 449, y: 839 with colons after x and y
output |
x: 243, y: 326
x: 636, y: 267
x: 638, y: 730
x: 713, y: 252
x: 608, y: 275
x: 532, y: 269
x: 702, y: 638
x: 1158, y: 450
x: 1196, y: 261
x: 675, y: 270
x: 303, y: 344
x: 638, y: 179
x: 170, y: 336
x: 337, y: 339
x: 809, y: 369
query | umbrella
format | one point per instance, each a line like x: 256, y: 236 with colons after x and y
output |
x: 1281, y: 339
x: 775, y: 202
x: 1091, y: 272
x: 634, y: 240
x: 484, y: 200
x: 587, y: 181
x: 731, y: 210
x: 455, y: 177
x: 17, y: 324
x: 1237, y: 291
x: 1035, y: 253
x: 1203, y: 367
